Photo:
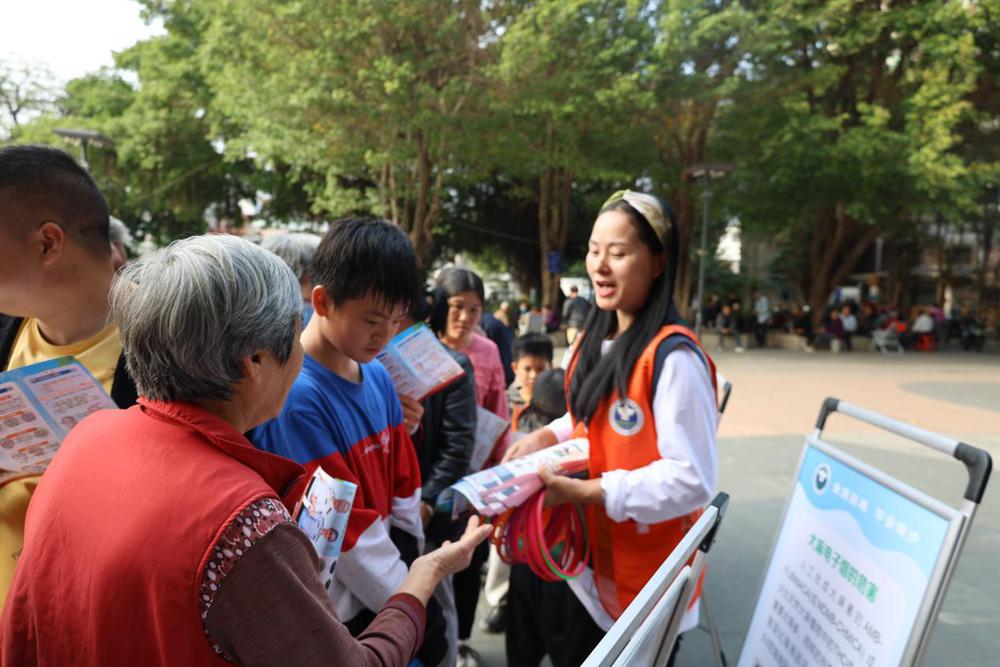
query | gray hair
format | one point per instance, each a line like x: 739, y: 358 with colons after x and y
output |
x: 297, y: 250
x: 118, y: 233
x: 190, y: 313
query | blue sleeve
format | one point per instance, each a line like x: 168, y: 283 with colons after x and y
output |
x: 383, y: 381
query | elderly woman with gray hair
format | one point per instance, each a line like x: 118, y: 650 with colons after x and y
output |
x: 159, y: 534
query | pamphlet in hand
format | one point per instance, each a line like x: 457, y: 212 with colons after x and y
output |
x: 322, y: 514
x: 505, y: 486
x: 39, y: 404
x: 419, y: 363
x: 489, y: 429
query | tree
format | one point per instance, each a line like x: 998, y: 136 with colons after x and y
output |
x: 563, y: 88
x: 846, y: 124
x: 25, y: 91
x: 373, y: 96
x: 688, y: 77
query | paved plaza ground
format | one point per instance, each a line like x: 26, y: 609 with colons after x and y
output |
x: 774, y: 404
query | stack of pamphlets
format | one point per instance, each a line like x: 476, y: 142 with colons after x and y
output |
x: 500, y: 488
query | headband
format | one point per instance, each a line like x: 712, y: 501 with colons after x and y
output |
x: 649, y: 208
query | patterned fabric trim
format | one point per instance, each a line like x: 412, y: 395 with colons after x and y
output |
x: 254, y: 522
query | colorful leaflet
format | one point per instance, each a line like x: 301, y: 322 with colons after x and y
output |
x: 419, y: 363
x: 322, y: 514
x: 39, y: 404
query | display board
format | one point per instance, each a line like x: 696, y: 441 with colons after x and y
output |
x: 855, y: 568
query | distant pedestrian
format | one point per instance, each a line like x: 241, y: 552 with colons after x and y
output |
x: 762, y: 316
x: 574, y: 312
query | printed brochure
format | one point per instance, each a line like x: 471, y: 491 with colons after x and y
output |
x: 39, y: 404
x: 419, y: 363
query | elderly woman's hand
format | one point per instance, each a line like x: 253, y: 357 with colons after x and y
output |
x: 451, y: 557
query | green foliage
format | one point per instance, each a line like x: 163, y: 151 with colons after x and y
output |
x: 498, y: 128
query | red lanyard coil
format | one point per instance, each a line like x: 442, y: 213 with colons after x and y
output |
x: 552, y: 542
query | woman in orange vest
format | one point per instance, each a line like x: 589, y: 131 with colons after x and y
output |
x: 642, y: 390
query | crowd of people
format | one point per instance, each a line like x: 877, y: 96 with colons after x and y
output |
x: 241, y: 368
x: 928, y: 327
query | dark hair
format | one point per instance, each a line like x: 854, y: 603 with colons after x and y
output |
x: 420, y: 309
x: 437, y: 319
x: 597, y: 376
x: 533, y: 345
x: 455, y: 280
x: 361, y: 256
x: 48, y: 181
x: 549, y: 395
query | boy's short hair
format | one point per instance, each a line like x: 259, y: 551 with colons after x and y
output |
x: 45, y: 181
x: 533, y: 345
x: 361, y: 256
x: 549, y: 394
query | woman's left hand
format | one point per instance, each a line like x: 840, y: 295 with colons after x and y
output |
x: 413, y: 412
x: 560, y: 489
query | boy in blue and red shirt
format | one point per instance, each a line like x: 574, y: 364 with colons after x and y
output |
x: 344, y: 415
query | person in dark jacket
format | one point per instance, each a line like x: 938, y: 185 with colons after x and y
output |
x: 503, y: 336
x: 444, y: 443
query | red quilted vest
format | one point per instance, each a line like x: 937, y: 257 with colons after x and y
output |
x: 119, y: 532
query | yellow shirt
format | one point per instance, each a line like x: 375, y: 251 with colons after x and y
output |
x: 99, y: 354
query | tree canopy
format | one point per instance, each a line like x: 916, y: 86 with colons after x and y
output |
x: 501, y: 126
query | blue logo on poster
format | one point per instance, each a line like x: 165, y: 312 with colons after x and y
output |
x: 626, y: 417
x: 821, y: 478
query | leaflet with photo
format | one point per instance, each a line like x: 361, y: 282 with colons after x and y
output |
x: 322, y: 514
x: 419, y: 363
x: 500, y: 488
x: 490, y: 428
x: 39, y: 404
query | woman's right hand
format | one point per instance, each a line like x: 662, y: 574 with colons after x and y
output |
x: 451, y: 557
x: 532, y: 442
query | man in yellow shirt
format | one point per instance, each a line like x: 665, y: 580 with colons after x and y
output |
x: 56, y: 261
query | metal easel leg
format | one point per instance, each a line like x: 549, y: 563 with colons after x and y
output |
x: 713, y: 632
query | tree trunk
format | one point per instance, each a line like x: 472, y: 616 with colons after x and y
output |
x: 830, y: 263
x: 684, y: 281
x: 555, y: 194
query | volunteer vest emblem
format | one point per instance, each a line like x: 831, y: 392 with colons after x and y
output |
x: 626, y: 417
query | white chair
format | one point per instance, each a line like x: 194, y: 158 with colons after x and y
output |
x: 886, y: 339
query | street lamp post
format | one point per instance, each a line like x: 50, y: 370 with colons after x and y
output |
x: 85, y: 137
x: 704, y: 172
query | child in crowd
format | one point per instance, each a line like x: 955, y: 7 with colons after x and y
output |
x: 343, y: 414
x: 532, y: 357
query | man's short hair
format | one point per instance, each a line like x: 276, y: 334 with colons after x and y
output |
x: 533, y: 345
x: 362, y: 256
x: 44, y: 183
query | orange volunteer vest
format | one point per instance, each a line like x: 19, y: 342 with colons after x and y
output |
x: 623, y: 437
